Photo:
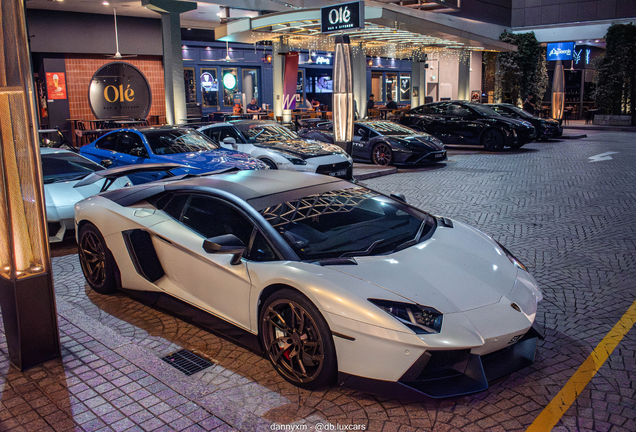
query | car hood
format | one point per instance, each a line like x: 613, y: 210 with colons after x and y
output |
x: 514, y: 122
x: 212, y: 160
x: 303, y: 149
x: 60, y: 197
x: 457, y: 269
x: 427, y: 142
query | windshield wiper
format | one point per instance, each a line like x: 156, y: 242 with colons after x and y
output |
x: 366, y: 251
x: 417, y: 237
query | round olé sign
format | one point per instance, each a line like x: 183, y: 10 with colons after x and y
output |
x: 119, y: 89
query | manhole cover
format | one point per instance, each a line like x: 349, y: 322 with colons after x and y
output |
x: 187, y: 362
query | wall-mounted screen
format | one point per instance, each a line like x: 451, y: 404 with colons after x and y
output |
x: 324, y: 84
x: 560, y: 51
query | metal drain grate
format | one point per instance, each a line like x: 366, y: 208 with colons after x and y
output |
x: 187, y: 362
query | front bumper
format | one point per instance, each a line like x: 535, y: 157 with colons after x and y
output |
x: 450, y: 373
x: 420, y: 158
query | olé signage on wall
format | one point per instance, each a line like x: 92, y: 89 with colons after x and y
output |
x: 340, y: 17
x: 119, y: 89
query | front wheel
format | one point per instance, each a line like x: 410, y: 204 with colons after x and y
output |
x: 382, y: 154
x: 297, y: 340
x: 269, y: 163
x: 98, y: 264
x: 493, y: 140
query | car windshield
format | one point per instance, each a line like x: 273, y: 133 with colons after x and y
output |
x: 264, y: 133
x: 390, y: 128
x: 348, y: 222
x: 521, y: 112
x: 175, y: 141
x: 484, y: 110
x: 65, y: 166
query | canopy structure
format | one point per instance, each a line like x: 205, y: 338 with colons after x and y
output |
x: 390, y: 31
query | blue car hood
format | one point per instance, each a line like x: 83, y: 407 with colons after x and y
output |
x: 212, y: 160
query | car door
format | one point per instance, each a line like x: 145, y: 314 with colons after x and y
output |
x: 209, y: 281
x: 361, y: 136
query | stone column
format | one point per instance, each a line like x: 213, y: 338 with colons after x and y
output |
x: 278, y: 72
x: 463, y: 84
x: 359, y: 67
x: 172, y: 57
x: 418, y: 79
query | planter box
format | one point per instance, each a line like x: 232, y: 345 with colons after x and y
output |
x: 613, y: 120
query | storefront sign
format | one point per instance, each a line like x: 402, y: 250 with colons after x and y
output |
x: 55, y: 85
x: 560, y: 51
x: 119, y: 89
x: 208, y: 83
x: 290, y: 80
x: 344, y: 16
x: 229, y: 81
x: 323, y: 60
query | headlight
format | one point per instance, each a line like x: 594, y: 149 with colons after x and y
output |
x: 512, y: 258
x: 294, y: 160
x: 420, y: 319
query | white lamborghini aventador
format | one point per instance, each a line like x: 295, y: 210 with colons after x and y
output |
x: 335, y: 283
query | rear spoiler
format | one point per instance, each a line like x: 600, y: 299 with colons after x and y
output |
x: 112, y: 174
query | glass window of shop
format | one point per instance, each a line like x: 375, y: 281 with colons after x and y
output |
x: 209, y: 88
x: 300, y: 86
x: 250, y: 84
x: 405, y: 87
x: 229, y: 78
x: 190, y: 84
x: 391, y: 88
x: 376, y: 86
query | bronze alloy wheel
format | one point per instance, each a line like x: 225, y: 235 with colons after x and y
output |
x: 96, y: 260
x: 382, y: 154
x: 297, y: 341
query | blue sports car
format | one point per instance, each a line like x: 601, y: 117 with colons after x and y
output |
x: 170, y: 144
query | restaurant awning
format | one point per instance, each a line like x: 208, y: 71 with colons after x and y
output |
x: 390, y: 31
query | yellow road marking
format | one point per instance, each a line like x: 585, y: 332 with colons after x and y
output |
x: 552, y: 413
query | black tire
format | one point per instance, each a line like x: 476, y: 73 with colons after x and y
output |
x: 290, y: 325
x: 269, y: 163
x: 382, y: 154
x: 493, y: 140
x: 98, y: 264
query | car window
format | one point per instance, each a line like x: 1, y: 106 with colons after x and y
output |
x: 211, y: 217
x: 65, y: 166
x: 256, y: 133
x: 389, y: 128
x: 218, y: 134
x: 260, y: 249
x: 129, y: 141
x: 107, y: 142
x: 174, y: 207
x: 484, y: 110
x: 175, y: 141
x: 457, y: 111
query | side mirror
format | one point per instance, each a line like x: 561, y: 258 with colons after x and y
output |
x: 106, y: 163
x: 230, y: 142
x: 399, y: 197
x: 225, y: 244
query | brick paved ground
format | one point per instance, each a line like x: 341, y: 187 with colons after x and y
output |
x: 569, y: 220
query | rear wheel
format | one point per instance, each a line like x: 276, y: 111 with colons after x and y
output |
x: 493, y: 140
x: 382, y: 154
x: 297, y: 340
x: 98, y: 264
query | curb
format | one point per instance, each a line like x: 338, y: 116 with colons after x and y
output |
x: 364, y: 174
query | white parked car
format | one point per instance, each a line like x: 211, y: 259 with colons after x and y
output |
x: 62, y: 170
x: 333, y: 282
x: 281, y: 148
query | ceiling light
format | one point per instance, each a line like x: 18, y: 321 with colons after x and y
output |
x: 105, y: 3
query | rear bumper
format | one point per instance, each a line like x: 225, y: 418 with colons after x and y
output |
x: 442, y: 374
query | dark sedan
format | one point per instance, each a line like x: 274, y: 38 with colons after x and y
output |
x: 384, y: 143
x: 545, y: 128
x: 463, y: 123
